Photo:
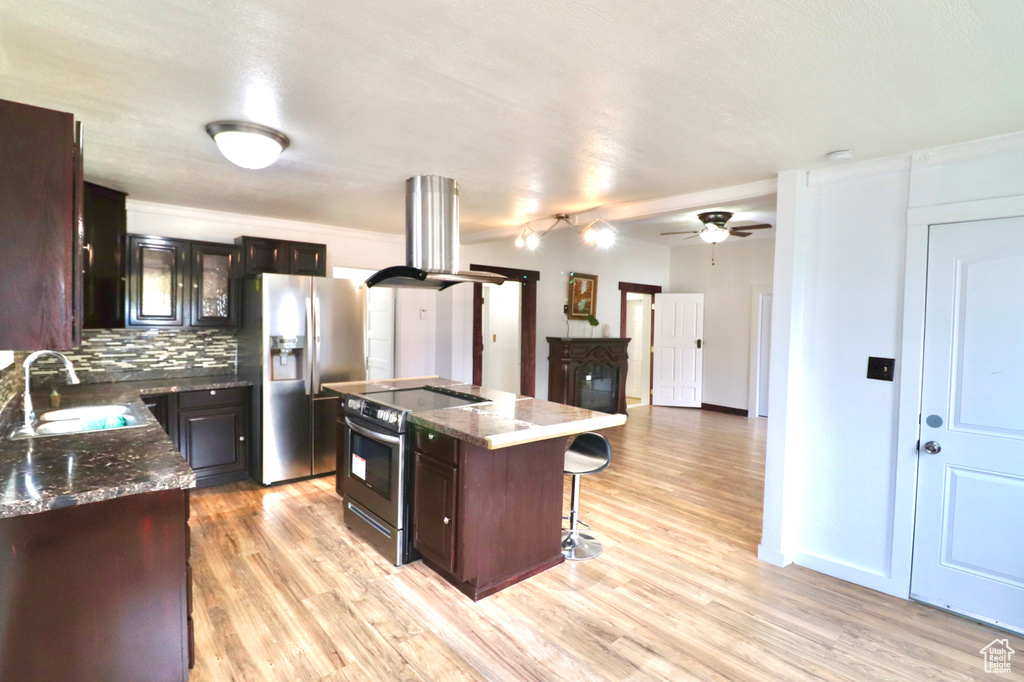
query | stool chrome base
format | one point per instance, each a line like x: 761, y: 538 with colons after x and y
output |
x: 579, y: 546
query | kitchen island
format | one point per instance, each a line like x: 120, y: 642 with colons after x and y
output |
x: 486, y: 480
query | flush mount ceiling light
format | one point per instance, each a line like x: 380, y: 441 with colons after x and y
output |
x: 248, y: 145
x: 597, y: 232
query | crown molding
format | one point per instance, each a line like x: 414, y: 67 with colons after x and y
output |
x: 859, y: 169
x: 249, y: 221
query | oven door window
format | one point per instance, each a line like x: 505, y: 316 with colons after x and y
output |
x: 371, y: 464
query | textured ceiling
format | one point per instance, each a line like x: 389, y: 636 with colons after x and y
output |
x: 534, y: 106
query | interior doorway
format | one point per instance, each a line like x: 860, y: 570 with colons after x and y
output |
x: 636, y: 322
x: 760, y: 350
x: 380, y: 324
x: 526, y: 282
x: 501, y: 334
x: 638, y: 328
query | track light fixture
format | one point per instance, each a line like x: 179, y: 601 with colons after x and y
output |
x: 598, y: 232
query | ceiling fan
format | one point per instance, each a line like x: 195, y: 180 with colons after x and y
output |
x: 715, y: 231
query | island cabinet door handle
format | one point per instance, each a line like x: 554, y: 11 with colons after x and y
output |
x: 446, y: 520
x: 430, y: 436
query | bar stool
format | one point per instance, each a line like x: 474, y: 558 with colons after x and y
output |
x: 588, y: 453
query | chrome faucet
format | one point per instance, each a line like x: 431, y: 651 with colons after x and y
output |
x: 30, y: 415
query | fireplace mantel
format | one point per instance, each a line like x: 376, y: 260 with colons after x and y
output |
x: 571, y: 360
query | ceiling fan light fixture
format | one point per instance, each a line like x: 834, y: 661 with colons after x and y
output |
x: 713, y: 234
x: 248, y: 145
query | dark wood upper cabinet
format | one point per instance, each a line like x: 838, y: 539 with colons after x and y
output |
x: 263, y: 255
x: 158, y: 272
x: 105, y: 234
x: 40, y: 228
x: 215, y: 285
x: 307, y: 259
x: 179, y: 283
x: 282, y: 257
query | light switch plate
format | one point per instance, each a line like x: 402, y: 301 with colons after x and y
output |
x: 882, y: 369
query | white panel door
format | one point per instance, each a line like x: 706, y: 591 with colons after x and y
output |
x: 969, y: 532
x: 678, y: 355
x: 380, y: 333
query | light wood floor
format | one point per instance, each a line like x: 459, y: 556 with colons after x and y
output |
x: 283, y: 591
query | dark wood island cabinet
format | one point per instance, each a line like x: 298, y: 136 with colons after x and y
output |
x: 486, y: 519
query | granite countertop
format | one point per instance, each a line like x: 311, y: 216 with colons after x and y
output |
x: 505, y: 420
x: 39, y: 474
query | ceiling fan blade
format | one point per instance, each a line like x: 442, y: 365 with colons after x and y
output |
x: 738, y: 234
x: 663, y: 234
x: 691, y: 236
x: 747, y: 228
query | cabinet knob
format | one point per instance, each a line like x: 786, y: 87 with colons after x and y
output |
x: 181, y: 285
x: 446, y: 520
x: 195, y: 285
x: 241, y: 438
x: 213, y: 392
x: 430, y: 436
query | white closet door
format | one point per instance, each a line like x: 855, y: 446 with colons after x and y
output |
x: 678, y: 350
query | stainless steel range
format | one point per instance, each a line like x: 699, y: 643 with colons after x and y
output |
x: 378, y: 474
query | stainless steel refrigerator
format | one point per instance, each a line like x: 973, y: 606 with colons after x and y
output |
x: 298, y: 333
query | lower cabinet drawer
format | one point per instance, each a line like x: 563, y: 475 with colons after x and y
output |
x: 438, y: 446
x: 209, y: 398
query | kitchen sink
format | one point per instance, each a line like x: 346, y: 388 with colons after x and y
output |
x: 83, y: 420
x: 73, y: 413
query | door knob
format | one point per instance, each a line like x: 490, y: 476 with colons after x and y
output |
x: 932, y: 447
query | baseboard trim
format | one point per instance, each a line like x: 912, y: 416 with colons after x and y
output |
x: 772, y: 556
x: 858, y: 575
x: 726, y: 410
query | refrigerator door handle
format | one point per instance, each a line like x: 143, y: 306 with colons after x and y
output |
x: 307, y: 372
x: 316, y: 336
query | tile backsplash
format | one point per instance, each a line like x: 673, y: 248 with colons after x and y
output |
x: 127, y: 354
x: 12, y: 380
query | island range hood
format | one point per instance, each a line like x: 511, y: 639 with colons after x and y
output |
x: 431, y: 239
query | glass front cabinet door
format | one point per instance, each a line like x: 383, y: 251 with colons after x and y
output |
x: 157, y: 275
x: 179, y: 283
x: 215, y: 291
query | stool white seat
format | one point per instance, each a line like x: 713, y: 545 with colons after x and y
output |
x: 588, y: 453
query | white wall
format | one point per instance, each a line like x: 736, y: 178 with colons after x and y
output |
x: 739, y: 266
x: 850, y: 270
x: 416, y: 327
x: 560, y: 252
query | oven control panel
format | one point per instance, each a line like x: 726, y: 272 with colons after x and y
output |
x: 373, y: 411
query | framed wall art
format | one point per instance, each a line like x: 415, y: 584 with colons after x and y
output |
x: 582, y: 296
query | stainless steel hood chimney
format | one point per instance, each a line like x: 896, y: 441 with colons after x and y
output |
x: 431, y: 239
